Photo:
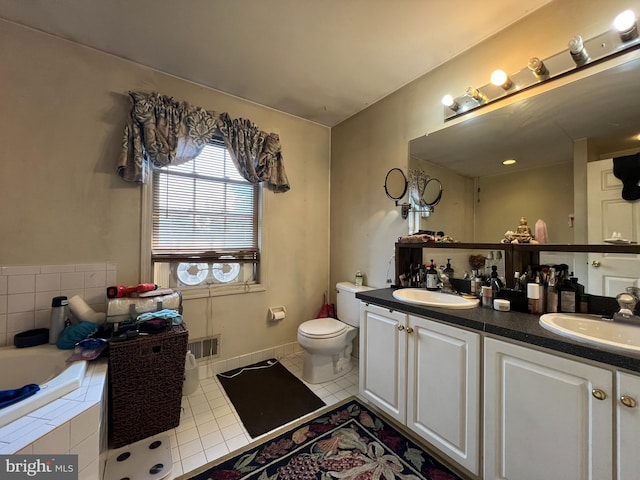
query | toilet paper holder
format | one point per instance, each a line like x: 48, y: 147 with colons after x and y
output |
x: 277, y: 313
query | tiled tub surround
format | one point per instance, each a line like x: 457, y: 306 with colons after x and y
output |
x: 44, y: 365
x: 26, y: 293
x: 72, y: 424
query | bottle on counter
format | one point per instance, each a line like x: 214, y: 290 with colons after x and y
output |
x: 359, y: 278
x: 552, y: 292
x: 448, y: 271
x: 533, y: 298
x: 432, y: 277
x: 569, y: 295
x: 516, y: 282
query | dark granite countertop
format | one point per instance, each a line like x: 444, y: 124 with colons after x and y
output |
x: 518, y: 326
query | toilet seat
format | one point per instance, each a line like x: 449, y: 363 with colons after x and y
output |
x: 322, y: 328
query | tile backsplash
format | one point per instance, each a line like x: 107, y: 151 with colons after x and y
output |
x: 26, y: 293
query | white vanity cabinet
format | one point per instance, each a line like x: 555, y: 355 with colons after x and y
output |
x: 424, y: 374
x: 443, y: 388
x: 545, y: 416
x: 383, y: 359
x: 627, y: 426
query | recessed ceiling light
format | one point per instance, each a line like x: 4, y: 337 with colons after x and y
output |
x: 510, y: 161
x: 637, y: 137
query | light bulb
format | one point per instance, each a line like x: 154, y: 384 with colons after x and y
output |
x: 577, y: 50
x: 500, y: 79
x: 538, y: 67
x: 509, y: 161
x: 448, y: 101
x: 626, y: 25
x: 476, y: 94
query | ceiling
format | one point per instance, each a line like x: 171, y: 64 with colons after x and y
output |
x: 322, y: 60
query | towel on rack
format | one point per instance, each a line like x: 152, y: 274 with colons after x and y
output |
x: 9, y: 397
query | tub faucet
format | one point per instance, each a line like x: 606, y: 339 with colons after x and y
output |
x: 627, y: 302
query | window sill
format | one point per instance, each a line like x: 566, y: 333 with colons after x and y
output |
x: 192, y: 293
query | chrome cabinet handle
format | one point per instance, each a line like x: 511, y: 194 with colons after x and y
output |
x: 400, y: 327
x: 628, y: 401
x: 598, y: 394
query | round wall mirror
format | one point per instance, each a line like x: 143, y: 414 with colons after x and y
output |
x: 432, y: 192
x: 395, y: 184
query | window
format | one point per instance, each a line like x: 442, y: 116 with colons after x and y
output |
x: 204, y: 228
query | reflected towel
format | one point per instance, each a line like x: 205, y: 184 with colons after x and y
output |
x: 9, y: 397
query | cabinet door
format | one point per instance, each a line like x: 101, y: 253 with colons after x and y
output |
x: 383, y: 358
x: 443, y: 391
x: 542, y: 417
x: 628, y: 423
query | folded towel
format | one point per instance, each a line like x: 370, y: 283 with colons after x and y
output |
x: 175, y: 316
x: 9, y: 397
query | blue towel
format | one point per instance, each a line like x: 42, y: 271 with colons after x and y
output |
x: 176, y: 318
x: 74, y: 333
x: 9, y: 397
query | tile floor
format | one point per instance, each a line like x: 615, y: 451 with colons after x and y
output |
x: 210, y: 426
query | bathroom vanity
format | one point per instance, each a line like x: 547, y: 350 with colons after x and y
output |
x: 498, y: 394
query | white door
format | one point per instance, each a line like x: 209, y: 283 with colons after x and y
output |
x: 443, y: 388
x: 628, y: 422
x: 542, y: 418
x: 608, y: 212
x: 383, y: 359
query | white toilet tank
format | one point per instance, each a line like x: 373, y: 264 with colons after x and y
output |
x: 347, y: 304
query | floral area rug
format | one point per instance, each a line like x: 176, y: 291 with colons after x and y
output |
x: 349, y: 442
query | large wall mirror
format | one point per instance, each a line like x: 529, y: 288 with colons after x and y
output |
x: 567, y: 131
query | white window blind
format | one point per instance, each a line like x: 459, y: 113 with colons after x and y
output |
x: 204, y: 209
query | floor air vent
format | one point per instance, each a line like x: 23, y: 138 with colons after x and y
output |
x: 204, y: 347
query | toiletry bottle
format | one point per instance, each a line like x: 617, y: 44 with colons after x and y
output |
x: 552, y: 292
x: 584, y: 303
x: 432, y: 277
x: 487, y: 297
x: 516, y: 282
x: 569, y: 295
x: 59, y: 307
x: 448, y: 271
x: 359, y: 278
x: 533, y: 298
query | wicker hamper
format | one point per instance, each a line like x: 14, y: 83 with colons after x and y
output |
x: 145, y: 385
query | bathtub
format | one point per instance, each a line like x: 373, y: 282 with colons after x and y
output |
x: 45, y: 365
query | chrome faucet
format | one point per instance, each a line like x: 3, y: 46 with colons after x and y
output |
x: 627, y: 302
x: 445, y: 284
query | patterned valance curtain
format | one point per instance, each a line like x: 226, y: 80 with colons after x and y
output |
x: 163, y: 131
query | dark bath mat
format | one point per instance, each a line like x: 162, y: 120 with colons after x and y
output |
x: 266, y: 395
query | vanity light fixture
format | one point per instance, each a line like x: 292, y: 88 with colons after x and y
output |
x: 626, y: 25
x: 500, y: 79
x: 538, y: 68
x: 577, y: 50
x: 448, y: 101
x: 509, y: 161
x: 622, y: 37
x: 476, y: 94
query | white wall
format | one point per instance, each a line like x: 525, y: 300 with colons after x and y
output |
x: 364, y: 222
x: 64, y: 108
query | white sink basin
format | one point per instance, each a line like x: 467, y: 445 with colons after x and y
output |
x: 428, y: 298
x: 592, y: 329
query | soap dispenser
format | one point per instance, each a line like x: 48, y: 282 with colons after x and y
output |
x: 432, y: 277
x: 448, y: 271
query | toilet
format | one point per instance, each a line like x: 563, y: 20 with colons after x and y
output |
x: 327, y: 342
